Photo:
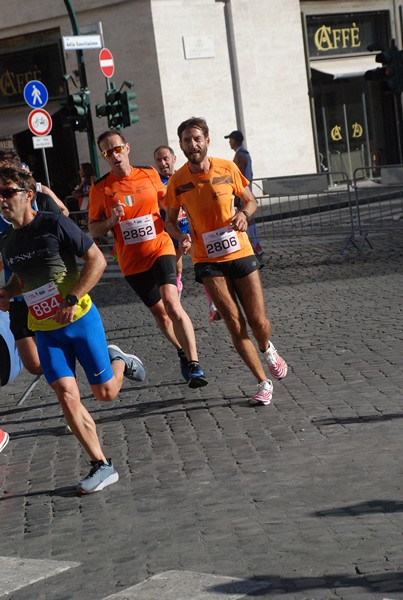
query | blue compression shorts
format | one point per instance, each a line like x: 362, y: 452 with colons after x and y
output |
x: 83, y: 340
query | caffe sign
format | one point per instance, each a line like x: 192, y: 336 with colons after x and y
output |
x: 345, y: 34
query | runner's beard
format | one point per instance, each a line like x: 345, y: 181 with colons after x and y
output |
x: 196, y: 158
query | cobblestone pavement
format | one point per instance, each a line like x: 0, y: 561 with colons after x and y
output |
x: 305, y: 495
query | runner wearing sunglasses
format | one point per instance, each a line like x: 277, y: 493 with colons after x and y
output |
x: 41, y: 249
x: 125, y: 201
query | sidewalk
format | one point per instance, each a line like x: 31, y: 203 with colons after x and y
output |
x: 302, y: 499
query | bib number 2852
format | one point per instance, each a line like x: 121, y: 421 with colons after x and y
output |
x: 138, y: 230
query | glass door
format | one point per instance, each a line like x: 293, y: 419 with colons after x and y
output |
x: 342, y: 125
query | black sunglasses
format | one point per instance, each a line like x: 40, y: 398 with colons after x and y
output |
x: 9, y: 192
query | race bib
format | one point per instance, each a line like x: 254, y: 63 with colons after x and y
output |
x: 43, y: 301
x: 221, y: 242
x: 138, y: 230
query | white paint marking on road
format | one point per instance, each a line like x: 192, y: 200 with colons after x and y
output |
x: 187, y: 585
x: 16, y: 573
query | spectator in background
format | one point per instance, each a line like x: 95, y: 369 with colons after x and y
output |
x: 44, y: 190
x: 44, y: 196
x: 243, y: 161
x: 82, y: 191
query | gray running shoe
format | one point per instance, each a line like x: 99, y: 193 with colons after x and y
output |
x: 100, y: 476
x: 134, y: 367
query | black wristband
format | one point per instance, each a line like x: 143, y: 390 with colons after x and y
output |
x: 71, y: 299
x: 247, y: 215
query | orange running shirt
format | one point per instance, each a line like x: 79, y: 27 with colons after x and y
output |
x: 139, y: 237
x: 208, y: 199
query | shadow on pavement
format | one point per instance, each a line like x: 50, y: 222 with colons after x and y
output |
x: 363, y: 508
x: 291, y: 585
x: 358, y: 419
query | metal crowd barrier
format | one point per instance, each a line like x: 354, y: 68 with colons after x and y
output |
x: 80, y: 218
x: 308, y: 204
x: 314, y: 204
x: 379, y: 203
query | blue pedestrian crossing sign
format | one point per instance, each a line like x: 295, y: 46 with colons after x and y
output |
x: 35, y: 94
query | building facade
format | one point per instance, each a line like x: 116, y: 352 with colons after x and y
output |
x: 288, y: 73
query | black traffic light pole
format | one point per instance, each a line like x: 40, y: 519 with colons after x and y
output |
x: 390, y: 77
x: 84, y: 86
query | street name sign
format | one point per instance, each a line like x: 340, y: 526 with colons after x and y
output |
x: 82, y: 42
x: 44, y: 141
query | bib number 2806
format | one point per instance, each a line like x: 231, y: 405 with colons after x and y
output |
x: 221, y: 242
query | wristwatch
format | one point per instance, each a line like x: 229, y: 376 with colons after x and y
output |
x: 71, y: 299
x: 247, y: 215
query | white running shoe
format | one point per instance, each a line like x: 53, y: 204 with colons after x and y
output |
x: 277, y: 366
x: 263, y: 395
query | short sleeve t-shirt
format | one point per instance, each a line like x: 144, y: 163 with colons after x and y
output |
x: 208, y: 199
x: 43, y: 255
x: 140, y: 237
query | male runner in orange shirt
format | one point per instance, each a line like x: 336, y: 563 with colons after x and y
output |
x: 221, y: 251
x: 125, y: 201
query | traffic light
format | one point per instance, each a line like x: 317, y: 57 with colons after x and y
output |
x: 390, y: 75
x: 101, y: 110
x: 114, y: 113
x: 119, y: 107
x: 111, y: 109
x: 78, y: 110
x: 129, y: 107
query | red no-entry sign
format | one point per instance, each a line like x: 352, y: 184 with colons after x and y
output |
x: 106, y: 62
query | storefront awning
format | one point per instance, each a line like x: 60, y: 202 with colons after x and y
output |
x: 342, y: 68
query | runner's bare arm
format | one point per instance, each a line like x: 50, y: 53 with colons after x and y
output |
x: 101, y: 227
x: 240, y: 220
x: 171, y: 225
x: 13, y: 286
x: 91, y: 273
x: 59, y: 202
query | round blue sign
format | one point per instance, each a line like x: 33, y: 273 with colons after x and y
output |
x: 35, y: 94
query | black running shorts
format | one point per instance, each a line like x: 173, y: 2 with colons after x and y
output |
x: 234, y: 269
x: 147, y: 285
x: 19, y: 320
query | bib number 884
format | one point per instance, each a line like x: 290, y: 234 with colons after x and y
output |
x: 45, y: 309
